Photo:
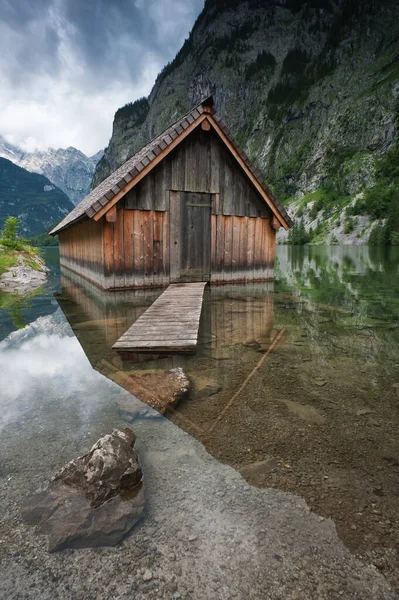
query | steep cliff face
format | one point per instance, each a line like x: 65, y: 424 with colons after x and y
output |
x: 310, y: 89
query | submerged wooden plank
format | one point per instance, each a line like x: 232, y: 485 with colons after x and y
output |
x: 170, y: 324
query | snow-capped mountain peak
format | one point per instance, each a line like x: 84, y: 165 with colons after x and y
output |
x: 68, y: 168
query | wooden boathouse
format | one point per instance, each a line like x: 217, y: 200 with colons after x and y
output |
x: 188, y: 207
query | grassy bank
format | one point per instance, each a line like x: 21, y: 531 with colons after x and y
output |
x: 9, y: 258
x: 14, y: 249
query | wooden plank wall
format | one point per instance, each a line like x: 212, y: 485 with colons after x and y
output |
x: 243, y: 249
x: 136, y: 250
x: 81, y: 250
x: 201, y: 163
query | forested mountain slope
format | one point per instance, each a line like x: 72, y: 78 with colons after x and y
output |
x: 311, y: 91
x: 32, y: 198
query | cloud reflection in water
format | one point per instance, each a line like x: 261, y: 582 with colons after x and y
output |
x: 49, y: 371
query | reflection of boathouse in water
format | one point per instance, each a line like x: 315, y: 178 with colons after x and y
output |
x: 236, y: 329
x: 232, y: 315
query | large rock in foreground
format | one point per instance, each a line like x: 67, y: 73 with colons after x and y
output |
x: 95, y: 499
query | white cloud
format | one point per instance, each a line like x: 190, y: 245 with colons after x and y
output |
x: 67, y: 67
x: 58, y: 114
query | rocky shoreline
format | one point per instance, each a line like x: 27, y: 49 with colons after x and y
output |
x: 29, y: 274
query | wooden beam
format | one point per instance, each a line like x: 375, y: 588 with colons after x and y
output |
x: 111, y: 215
x: 205, y: 125
x: 248, y: 172
x: 276, y: 223
x: 148, y: 168
x: 208, y: 109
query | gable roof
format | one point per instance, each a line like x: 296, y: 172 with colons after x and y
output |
x: 114, y: 187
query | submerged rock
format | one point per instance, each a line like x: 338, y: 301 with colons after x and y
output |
x: 132, y: 409
x: 204, y: 385
x: 95, y: 499
x: 305, y: 412
x: 255, y: 469
x: 364, y: 411
x: 158, y: 388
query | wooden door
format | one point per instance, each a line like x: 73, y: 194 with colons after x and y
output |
x: 190, y: 236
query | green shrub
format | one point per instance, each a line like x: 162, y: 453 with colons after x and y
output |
x: 388, y: 167
x: 393, y: 219
x: 358, y: 208
x: 349, y: 225
x: 388, y: 234
x: 394, y: 238
x: 313, y: 211
x: 10, y: 241
x: 316, y: 231
x: 9, y: 234
x: 316, y: 207
x: 264, y: 64
x: 333, y: 241
x: 298, y: 236
x: 379, y: 236
x: 378, y: 199
x: 382, y: 200
x: 137, y: 111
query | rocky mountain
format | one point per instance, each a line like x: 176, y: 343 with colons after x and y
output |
x: 32, y: 198
x: 311, y: 91
x: 69, y: 169
x: 10, y: 152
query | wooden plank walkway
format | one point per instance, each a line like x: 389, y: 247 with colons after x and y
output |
x: 170, y: 324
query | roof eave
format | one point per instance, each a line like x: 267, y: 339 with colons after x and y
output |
x: 56, y: 230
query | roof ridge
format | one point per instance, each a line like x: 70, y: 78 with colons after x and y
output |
x: 200, y: 104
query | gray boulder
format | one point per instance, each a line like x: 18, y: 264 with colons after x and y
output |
x: 95, y: 499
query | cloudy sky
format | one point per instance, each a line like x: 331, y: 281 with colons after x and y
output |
x: 66, y: 66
